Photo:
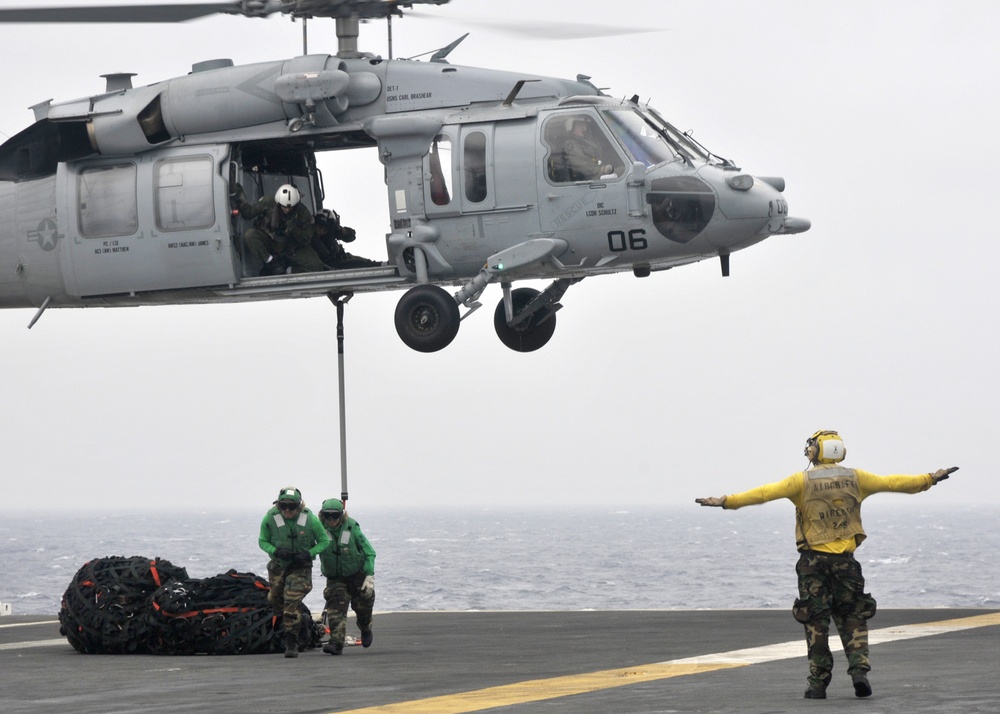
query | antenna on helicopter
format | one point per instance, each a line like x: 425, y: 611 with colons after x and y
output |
x: 439, y: 55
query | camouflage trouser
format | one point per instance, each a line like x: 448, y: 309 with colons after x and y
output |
x: 289, y: 587
x: 341, y: 592
x: 831, y: 586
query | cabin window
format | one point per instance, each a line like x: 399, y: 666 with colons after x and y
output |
x: 184, y: 199
x: 107, y: 201
x: 474, y: 167
x: 440, y: 165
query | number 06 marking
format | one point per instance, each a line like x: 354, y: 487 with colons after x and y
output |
x: 635, y: 239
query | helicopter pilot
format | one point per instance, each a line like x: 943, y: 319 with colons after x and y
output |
x: 583, y: 156
x: 282, y: 234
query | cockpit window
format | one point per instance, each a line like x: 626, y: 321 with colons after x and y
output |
x: 685, y: 143
x: 579, y: 150
x: 640, y: 138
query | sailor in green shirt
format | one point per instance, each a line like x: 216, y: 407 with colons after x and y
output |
x: 292, y: 535
x: 828, y: 529
x: 349, y: 567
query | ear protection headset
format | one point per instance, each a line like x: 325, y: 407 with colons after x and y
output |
x: 829, y: 447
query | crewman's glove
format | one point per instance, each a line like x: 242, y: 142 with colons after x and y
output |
x: 303, y: 558
x: 237, y: 198
x: 368, y: 586
x: 942, y: 474
x: 284, y: 554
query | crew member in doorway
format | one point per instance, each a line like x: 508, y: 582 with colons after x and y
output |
x: 828, y: 529
x: 329, y: 240
x: 282, y: 234
x: 349, y: 567
x: 292, y: 535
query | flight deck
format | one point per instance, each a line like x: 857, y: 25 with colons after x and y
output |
x: 630, y: 661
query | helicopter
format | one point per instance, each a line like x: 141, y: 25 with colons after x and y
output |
x: 126, y: 198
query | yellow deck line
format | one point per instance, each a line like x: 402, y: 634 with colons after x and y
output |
x: 555, y: 687
x: 539, y: 689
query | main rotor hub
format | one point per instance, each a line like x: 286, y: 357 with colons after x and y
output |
x: 359, y: 9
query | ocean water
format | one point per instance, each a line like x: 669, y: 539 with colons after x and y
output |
x: 512, y: 559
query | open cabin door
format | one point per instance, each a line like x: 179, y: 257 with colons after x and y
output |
x: 148, y: 223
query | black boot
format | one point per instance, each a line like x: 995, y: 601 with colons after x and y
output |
x: 861, y: 686
x: 816, y: 693
x: 291, y: 647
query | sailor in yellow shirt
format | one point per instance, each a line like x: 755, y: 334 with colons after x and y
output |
x: 828, y: 529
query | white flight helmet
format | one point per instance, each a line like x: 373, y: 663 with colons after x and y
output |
x: 287, y: 196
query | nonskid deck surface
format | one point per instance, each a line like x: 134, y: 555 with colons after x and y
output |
x: 518, y: 662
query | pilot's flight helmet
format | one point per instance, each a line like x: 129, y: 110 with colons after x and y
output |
x: 287, y: 195
x: 829, y: 448
x: 290, y: 493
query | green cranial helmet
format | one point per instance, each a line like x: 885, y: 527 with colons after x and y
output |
x: 290, y: 493
x: 333, y: 508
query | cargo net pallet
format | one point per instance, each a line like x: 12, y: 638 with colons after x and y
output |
x: 136, y: 605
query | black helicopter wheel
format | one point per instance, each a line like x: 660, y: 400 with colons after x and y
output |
x: 530, y: 335
x: 427, y: 318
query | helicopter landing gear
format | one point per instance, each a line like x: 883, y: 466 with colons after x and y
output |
x: 525, y: 318
x: 530, y: 333
x: 427, y: 318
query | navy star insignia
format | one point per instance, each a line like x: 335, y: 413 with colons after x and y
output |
x: 47, y: 235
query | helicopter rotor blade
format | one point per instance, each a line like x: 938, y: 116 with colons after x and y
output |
x: 542, y: 30
x: 169, y: 12
x: 176, y: 12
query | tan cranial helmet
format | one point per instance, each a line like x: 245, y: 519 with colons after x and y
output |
x: 825, y: 447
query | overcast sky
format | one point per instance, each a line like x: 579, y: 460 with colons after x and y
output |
x: 880, y: 322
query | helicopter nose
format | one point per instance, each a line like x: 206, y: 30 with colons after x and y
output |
x: 760, y: 197
x: 731, y: 210
x: 795, y: 225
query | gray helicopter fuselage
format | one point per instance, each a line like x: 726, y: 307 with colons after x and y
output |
x: 124, y: 198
